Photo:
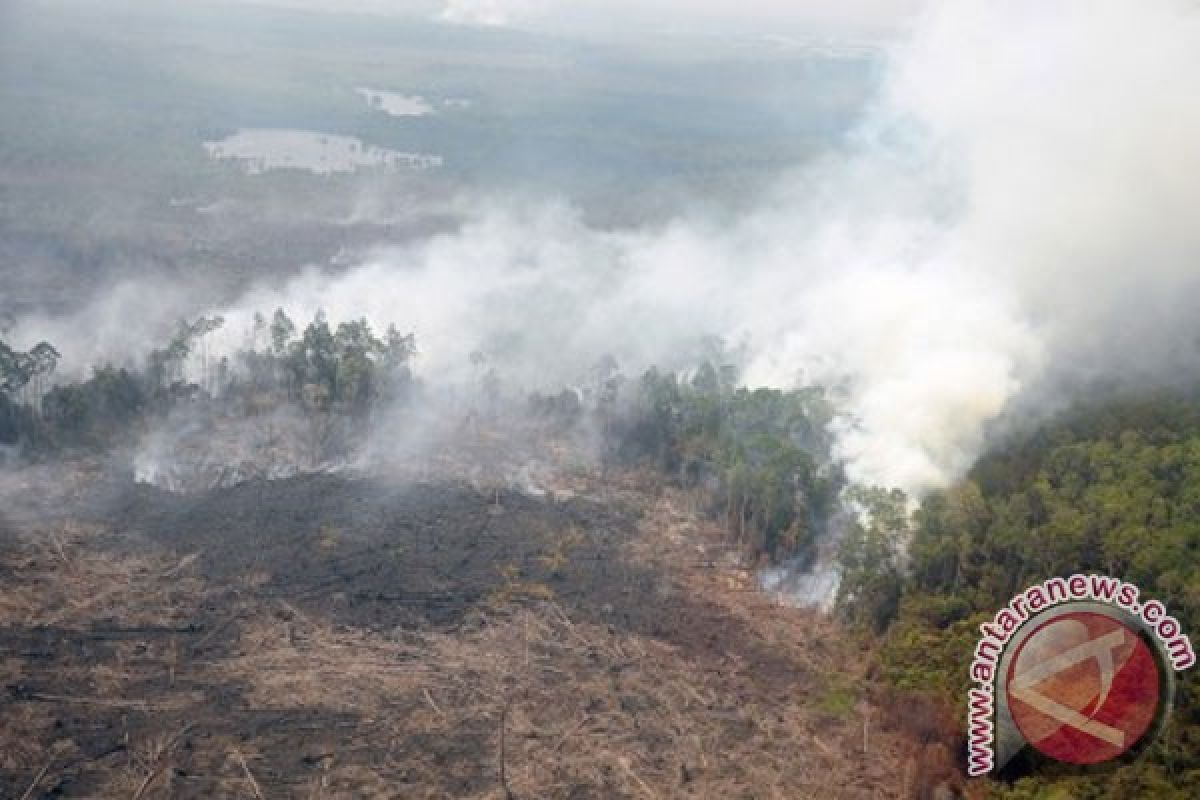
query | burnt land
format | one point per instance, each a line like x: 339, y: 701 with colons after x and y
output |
x: 348, y: 636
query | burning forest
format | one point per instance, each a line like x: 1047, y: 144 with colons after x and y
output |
x: 649, y: 405
x: 536, y: 598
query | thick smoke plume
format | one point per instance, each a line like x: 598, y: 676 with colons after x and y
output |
x: 1018, y: 207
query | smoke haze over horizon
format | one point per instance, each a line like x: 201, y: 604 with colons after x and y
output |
x: 594, y: 18
x: 1014, y: 208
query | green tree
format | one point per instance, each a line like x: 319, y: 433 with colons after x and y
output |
x: 283, y: 330
x: 871, y: 556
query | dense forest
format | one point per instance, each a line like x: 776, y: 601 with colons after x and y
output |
x: 1111, y: 486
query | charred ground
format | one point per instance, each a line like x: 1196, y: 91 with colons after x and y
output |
x: 349, y: 636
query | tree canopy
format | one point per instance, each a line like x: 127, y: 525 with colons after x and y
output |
x: 1112, y: 486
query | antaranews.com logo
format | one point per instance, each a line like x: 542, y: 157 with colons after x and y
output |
x: 1078, y: 668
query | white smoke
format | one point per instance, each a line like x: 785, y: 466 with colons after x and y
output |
x: 1019, y: 203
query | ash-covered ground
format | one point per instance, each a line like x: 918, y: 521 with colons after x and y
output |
x: 359, y: 635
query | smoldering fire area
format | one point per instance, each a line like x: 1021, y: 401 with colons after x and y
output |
x: 497, y: 400
x: 338, y: 636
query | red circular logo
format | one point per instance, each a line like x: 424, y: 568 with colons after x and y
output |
x: 1083, y: 688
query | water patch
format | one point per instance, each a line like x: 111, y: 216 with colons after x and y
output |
x: 395, y: 104
x: 260, y: 150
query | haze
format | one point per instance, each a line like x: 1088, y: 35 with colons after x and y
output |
x: 508, y: 340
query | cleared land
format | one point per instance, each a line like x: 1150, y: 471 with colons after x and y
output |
x: 333, y: 636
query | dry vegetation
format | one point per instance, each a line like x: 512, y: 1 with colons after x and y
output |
x: 151, y: 673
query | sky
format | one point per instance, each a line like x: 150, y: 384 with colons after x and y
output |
x: 762, y: 16
x: 643, y: 16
